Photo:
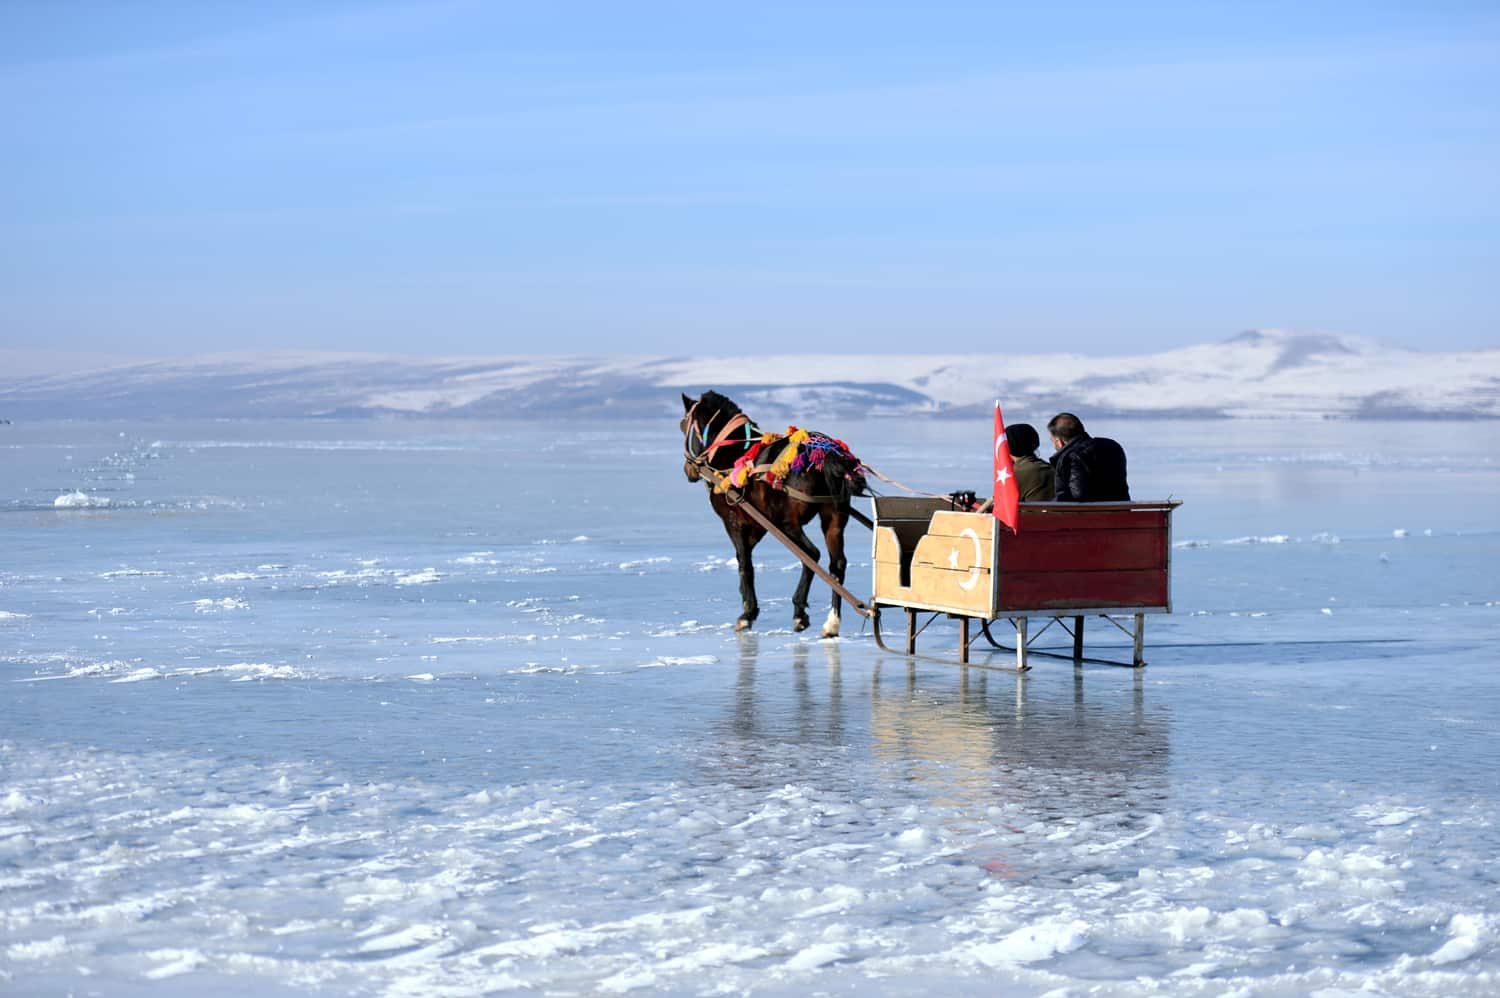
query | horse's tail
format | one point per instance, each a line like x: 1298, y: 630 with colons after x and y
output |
x: 843, y: 475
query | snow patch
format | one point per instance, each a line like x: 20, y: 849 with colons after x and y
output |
x: 818, y: 955
x: 1468, y: 934
x: 40, y: 949
x: 14, y: 802
x: 80, y: 500
x: 628, y: 566
x: 1032, y: 943
x: 666, y: 661
x: 139, y: 676
x: 215, y: 605
x: 422, y: 578
x: 181, y: 962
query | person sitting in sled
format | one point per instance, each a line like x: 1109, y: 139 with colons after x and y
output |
x: 1085, y: 468
x: 1033, y: 475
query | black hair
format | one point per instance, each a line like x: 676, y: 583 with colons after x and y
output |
x: 1065, y: 426
x: 1023, y: 439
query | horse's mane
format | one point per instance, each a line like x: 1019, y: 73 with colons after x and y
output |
x: 715, y: 402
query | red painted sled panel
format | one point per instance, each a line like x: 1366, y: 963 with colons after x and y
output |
x: 1090, y: 550
x: 1082, y: 590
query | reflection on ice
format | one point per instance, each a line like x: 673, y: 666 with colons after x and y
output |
x: 982, y: 739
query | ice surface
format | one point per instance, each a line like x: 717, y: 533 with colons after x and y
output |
x: 288, y: 719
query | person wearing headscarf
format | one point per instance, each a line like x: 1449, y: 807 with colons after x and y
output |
x: 1033, y: 475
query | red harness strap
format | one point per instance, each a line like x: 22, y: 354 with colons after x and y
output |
x: 735, y: 422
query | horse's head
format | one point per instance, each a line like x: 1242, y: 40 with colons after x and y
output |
x: 688, y: 410
x: 702, y: 417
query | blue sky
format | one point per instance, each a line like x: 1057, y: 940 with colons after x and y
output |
x: 709, y: 178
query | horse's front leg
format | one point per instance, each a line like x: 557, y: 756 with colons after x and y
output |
x: 833, y: 536
x: 744, y: 548
x: 800, y: 620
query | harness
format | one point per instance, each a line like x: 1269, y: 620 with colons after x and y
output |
x: 704, y: 453
x: 802, y: 451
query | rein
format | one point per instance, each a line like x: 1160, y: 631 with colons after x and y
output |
x: 904, y: 488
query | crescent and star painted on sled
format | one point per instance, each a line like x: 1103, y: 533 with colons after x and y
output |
x: 973, y: 578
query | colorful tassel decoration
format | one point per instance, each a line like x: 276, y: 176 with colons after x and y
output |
x: 804, y: 451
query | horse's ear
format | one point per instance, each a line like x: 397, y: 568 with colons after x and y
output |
x: 687, y: 403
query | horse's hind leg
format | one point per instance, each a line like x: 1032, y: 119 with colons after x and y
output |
x: 800, y: 621
x: 833, y: 522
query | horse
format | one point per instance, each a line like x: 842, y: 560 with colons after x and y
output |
x: 716, y: 434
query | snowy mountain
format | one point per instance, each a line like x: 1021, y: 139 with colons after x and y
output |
x: 1253, y: 375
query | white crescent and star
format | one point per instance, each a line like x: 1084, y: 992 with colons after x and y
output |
x: 973, y: 579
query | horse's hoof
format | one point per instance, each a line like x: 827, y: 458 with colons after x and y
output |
x: 831, y: 626
x: 743, y: 624
x: 800, y: 623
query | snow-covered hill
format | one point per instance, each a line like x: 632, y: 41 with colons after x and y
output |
x: 1255, y: 374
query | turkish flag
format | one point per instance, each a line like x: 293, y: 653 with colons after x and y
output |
x: 1007, y: 494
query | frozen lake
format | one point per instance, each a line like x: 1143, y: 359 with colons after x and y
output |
x: 426, y: 709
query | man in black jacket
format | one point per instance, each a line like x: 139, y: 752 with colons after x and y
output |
x: 1085, y: 468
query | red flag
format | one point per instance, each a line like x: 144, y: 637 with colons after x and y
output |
x: 1007, y: 494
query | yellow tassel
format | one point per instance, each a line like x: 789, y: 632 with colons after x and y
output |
x: 794, y: 439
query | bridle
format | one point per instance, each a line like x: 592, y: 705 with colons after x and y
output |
x: 698, y: 450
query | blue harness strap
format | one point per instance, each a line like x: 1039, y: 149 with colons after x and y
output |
x: 751, y: 433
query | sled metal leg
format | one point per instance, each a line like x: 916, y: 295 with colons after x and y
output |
x: 1077, y: 640
x: 1139, y: 660
x: 1021, y: 665
x: 963, y: 640
x: 911, y: 631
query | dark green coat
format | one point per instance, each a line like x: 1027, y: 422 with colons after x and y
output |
x: 1033, y: 478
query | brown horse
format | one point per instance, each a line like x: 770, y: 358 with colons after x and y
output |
x: 716, y: 434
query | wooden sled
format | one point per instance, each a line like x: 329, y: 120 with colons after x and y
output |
x: 1067, y: 562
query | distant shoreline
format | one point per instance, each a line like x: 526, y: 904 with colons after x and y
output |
x: 1257, y: 375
